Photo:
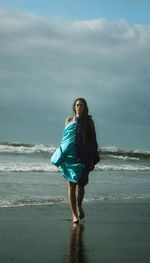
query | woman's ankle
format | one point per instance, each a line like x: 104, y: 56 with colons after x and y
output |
x: 81, y: 212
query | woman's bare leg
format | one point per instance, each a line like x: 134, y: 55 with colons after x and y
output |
x: 72, y: 201
x: 80, y: 197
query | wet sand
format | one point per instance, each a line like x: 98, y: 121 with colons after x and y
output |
x: 112, y: 232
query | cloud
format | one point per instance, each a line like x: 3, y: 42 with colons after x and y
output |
x: 45, y: 63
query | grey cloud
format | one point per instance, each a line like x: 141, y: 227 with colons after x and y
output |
x: 45, y: 63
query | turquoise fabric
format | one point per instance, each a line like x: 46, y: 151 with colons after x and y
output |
x: 65, y: 154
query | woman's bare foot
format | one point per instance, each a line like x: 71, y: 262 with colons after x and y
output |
x: 75, y: 219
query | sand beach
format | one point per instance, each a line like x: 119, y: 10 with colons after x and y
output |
x: 111, y: 232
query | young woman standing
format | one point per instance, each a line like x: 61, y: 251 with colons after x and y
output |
x: 77, y: 155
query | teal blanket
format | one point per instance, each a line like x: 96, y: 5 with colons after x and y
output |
x: 65, y: 155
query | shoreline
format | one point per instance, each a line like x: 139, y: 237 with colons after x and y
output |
x: 112, y: 232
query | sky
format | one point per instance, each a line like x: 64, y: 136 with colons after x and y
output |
x: 52, y: 52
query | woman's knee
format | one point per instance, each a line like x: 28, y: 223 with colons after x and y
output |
x: 71, y: 186
x: 80, y: 188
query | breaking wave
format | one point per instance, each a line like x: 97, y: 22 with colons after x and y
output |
x: 22, y: 148
x: 112, y: 158
x: 45, y: 167
x: 43, y: 149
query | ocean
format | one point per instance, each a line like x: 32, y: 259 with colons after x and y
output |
x: 27, y: 178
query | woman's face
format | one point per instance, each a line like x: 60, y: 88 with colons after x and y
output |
x: 79, y: 107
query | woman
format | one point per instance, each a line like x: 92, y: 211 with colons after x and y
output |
x: 77, y: 155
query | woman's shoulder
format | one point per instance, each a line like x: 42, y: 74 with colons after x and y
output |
x: 68, y: 120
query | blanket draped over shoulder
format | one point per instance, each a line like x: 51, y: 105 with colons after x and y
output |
x: 65, y: 155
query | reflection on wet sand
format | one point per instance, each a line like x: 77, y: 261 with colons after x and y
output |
x: 76, y: 246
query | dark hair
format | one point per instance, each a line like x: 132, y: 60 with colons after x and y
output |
x: 86, y: 110
x: 86, y: 119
